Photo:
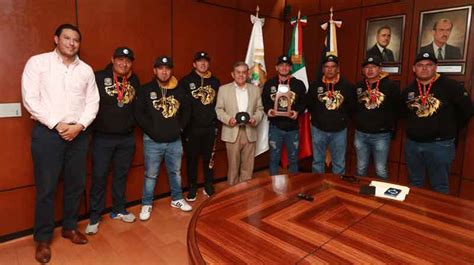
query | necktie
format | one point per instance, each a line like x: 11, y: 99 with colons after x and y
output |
x: 440, y: 54
x: 384, y: 55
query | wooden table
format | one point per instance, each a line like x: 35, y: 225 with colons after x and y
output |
x: 264, y: 222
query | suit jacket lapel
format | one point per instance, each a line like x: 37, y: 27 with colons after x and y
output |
x: 250, y: 100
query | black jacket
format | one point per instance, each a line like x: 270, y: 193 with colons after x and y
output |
x: 447, y: 111
x: 162, y: 126
x: 450, y: 53
x: 202, y: 93
x: 112, y: 119
x: 268, y: 95
x: 380, y: 116
x: 330, y: 117
x: 374, y: 51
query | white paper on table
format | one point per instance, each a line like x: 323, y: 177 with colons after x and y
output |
x: 381, y: 187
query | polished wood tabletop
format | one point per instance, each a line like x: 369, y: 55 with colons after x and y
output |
x: 263, y: 221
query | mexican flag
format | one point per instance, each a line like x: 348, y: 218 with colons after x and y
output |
x: 255, y: 59
x: 299, y: 71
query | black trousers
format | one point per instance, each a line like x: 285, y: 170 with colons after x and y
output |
x: 107, y: 149
x: 51, y: 156
x: 200, y: 143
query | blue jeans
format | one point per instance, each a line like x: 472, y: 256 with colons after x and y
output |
x: 154, y: 153
x: 337, y: 143
x: 377, y: 144
x: 433, y: 158
x: 275, y: 141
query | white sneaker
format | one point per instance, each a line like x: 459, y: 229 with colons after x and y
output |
x: 126, y: 217
x: 145, y: 212
x: 182, y: 205
x: 92, y: 229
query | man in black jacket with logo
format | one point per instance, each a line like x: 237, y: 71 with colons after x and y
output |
x: 283, y: 129
x: 436, y: 108
x: 375, y: 117
x: 162, y: 111
x: 113, y: 140
x: 200, y: 133
x: 330, y: 101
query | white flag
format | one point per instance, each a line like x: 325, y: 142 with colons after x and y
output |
x: 255, y: 59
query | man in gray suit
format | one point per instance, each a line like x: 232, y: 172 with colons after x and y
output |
x: 234, y: 100
x: 439, y: 46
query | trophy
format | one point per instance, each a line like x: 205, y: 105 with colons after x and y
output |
x: 282, y: 105
x: 242, y: 118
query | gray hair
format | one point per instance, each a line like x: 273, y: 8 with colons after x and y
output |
x: 240, y: 63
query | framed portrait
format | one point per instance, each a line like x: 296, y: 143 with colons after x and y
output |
x: 384, y: 38
x: 445, y: 33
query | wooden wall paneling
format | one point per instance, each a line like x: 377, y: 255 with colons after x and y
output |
x: 267, y: 8
x: 25, y: 32
x: 313, y: 42
x: 454, y: 181
x: 377, y: 2
x: 468, y: 165
x: 108, y: 24
x: 216, y: 32
x: 340, y: 5
x: 273, y: 41
x: 466, y: 190
x: 307, y: 7
x: 17, y: 209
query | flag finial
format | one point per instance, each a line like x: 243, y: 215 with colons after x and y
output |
x: 299, y: 14
x: 257, y: 9
x: 330, y: 16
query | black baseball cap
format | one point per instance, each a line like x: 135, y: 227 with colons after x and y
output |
x: 426, y: 56
x: 331, y: 58
x: 284, y: 59
x: 163, y: 60
x: 375, y: 60
x: 201, y: 55
x: 124, y: 52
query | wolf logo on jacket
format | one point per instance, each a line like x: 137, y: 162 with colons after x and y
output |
x: 206, y: 94
x: 169, y: 106
x: 129, y: 93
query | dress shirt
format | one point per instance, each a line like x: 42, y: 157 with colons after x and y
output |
x: 443, y: 51
x: 381, y: 49
x: 54, y: 92
x: 242, y: 97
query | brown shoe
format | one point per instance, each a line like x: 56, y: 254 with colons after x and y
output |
x: 43, y: 252
x: 75, y: 236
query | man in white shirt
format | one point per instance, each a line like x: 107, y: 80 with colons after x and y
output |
x: 60, y: 93
x: 242, y: 98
